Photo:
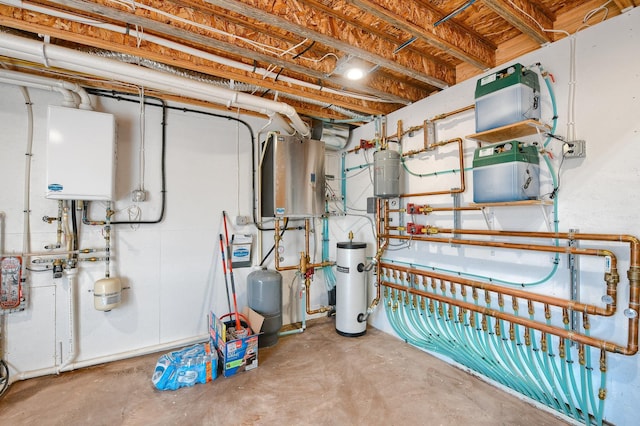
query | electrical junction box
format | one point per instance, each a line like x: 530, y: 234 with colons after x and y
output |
x: 506, y: 97
x: 80, y: 154
x: 292, y: 177
x: 507, y: 171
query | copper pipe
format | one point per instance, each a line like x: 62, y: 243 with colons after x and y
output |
x: 354, y: 150
x: 276, y: 238
x: 634, y: 304
x: 612, y: 278
x: 447, y: 209
x: 439, y: 209
x: 532, y: 247
x: 545, y: 328
x: 513, y: 292
x: 462, y: 183
x: 630, y: 239
x: 321, y: 309
x: 454, y: 112
x: 380, y: 249
x: 307, y: 231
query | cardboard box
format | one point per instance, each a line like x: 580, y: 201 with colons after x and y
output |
x: 235, y: 355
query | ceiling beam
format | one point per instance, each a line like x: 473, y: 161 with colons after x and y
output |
x: 103, y: 39
x: 515, y: 12
x: 412, y: 89
x: 418, y: 19
x: 210, y: 42
x: 626, y: 4
x: 358, y: 23
x: 337, y: 34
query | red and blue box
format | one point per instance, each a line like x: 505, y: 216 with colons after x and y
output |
x: 236, y: 354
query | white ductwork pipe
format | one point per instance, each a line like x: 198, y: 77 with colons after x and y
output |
x: 65, y: 88
x: 62, y: 57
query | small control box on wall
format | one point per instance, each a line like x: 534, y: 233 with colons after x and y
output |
x: 81, y: 148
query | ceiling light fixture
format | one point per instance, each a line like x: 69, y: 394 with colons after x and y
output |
x: 354, y: 73
x: 351, y: 67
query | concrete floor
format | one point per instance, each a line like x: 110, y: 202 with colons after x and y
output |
x: 313, y: 378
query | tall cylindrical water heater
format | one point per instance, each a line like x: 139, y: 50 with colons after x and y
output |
x: 351, y: 289
x: 264, y: 291
x: 386, y: 176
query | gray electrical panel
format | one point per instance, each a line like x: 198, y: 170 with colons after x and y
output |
x: 292, y: 174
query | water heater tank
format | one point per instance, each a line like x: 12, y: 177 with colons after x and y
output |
x: 351, y: 289
x: 264, y: 291
x: 386, y: 176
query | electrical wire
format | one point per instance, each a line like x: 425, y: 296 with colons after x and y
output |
x: 262, y: 46
x: 542, y: 28
x: 120, y: 96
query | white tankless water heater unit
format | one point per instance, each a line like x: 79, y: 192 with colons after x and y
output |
x: 351, y: 289
x: 80, y: 154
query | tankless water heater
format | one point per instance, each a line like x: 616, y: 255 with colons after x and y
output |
x: 292, y: 177
x: 80, y: 154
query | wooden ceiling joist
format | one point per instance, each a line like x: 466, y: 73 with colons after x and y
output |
x: 339, y: 35
x: 525, y: 16
x: 204, y: 42
x: 289, y: 49
x: 626, y: 4
x: 448, y: 36
x: 358, y: 23
x: 104, y: 39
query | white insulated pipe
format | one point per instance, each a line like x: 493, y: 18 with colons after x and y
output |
x: 65, y: 88
x: 72, y: 275
x: 62, y: 57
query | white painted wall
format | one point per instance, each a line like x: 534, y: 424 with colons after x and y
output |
x: 597, y: 194
x: 172, y: 271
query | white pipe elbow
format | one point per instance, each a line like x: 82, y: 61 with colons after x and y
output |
x: 68, y: 99
x: 85, y: 100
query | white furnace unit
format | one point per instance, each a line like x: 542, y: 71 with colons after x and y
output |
x: 80, y: 154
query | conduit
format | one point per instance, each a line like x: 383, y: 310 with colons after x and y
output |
x: 52, y: 55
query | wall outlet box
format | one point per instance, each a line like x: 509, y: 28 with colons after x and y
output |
x: 138, y: 196
x: 242, y: 220
x: 574, y: 149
